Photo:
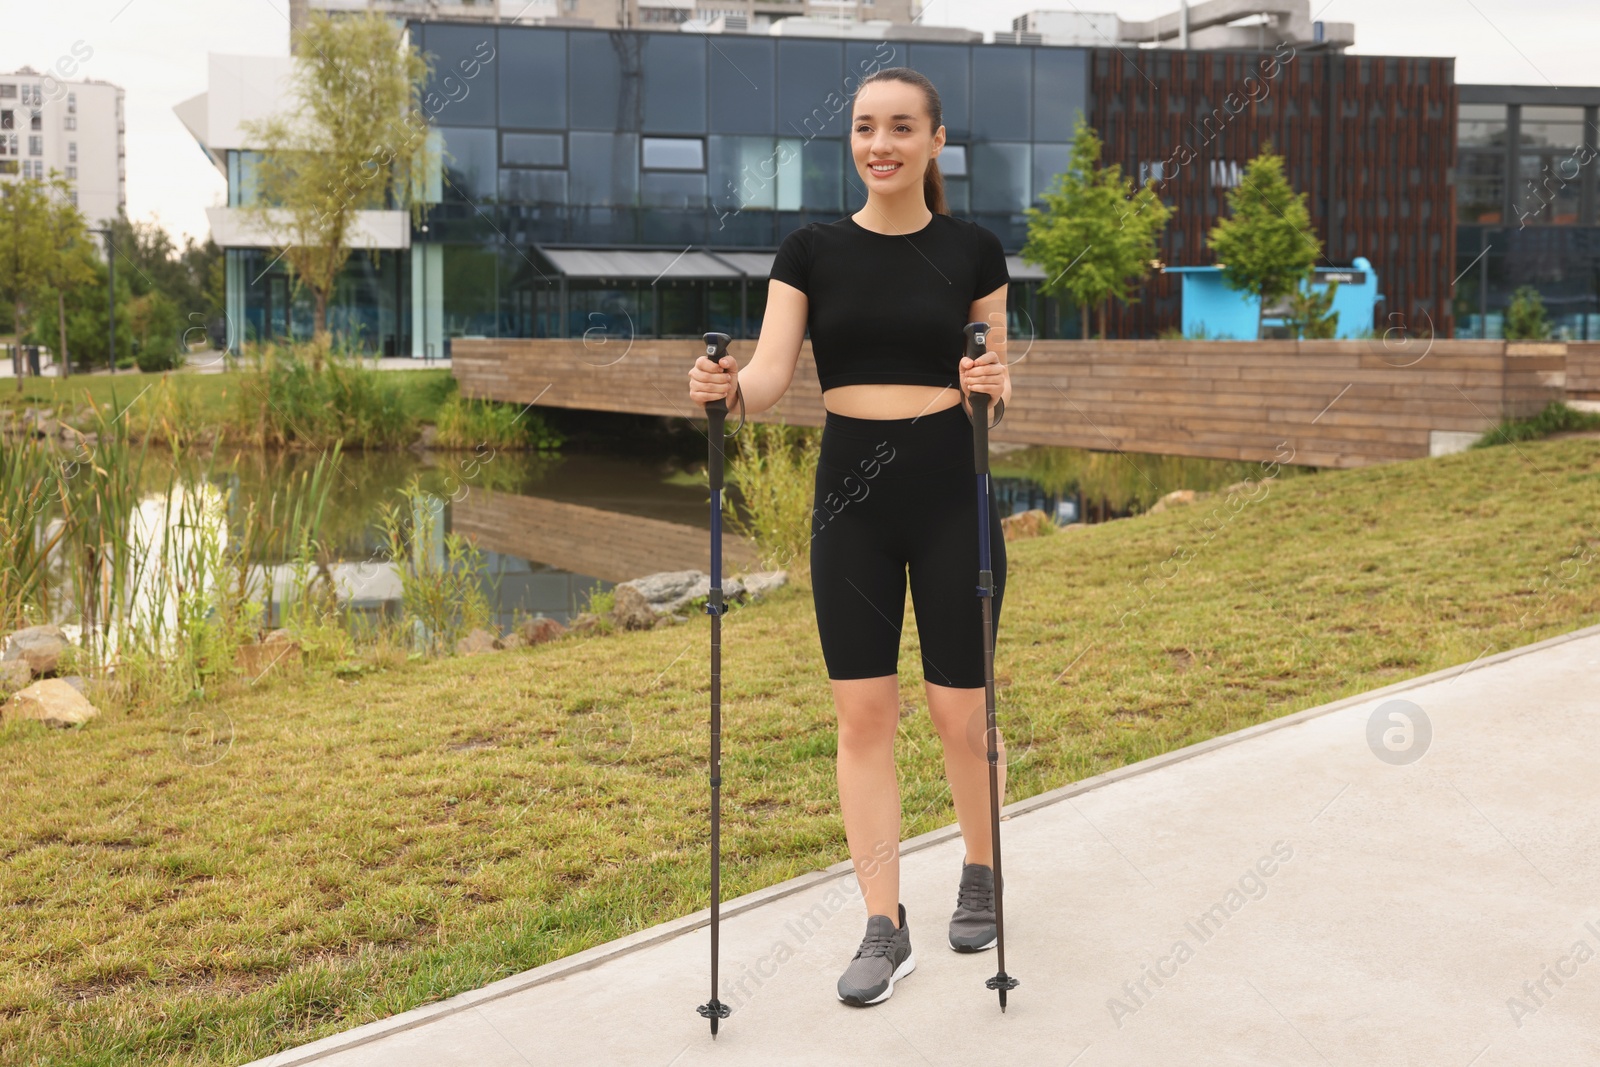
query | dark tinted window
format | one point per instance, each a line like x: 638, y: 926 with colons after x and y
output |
x: 822, y: 161
x: 605, y: 168
x: 1048, y: 161
x: 533, y: 186
x: 811, y: 99
x: 999, y: 177
x: 743, y: 85
x: 602, y: 97
x: 674, y: 190
x: 1001, y: 98
x: 461, y: 89
x: 469, y: 163
x: 1060, y: 88
x: 949, y: 67
x: 674, y: 82
x: 532, y: 150
x: 532, y: 67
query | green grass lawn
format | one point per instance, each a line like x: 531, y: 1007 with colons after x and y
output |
x: 368, y: 845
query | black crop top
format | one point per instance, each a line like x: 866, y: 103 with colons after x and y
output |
x: 890, y: 307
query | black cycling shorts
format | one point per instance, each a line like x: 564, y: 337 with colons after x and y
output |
x: 894, y: 495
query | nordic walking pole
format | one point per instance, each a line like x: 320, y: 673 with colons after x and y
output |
x: 977, y: 340
x: 716, y: 414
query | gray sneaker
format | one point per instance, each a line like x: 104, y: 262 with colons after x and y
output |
x: 883, y: 959
x: 972, y: 926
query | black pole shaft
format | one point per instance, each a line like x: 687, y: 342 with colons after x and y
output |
x: 977, y: 338
x: 716, y: 416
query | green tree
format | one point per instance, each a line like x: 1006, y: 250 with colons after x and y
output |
x: 71, y: 266
x: 1311, y: 314
x: 351, y: 140
x: 1265, y: 245
x: 25, y: 250
x: 1525, y: 316
x: 1096, y: 237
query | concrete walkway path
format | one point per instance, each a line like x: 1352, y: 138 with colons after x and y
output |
x: 1343, y: 886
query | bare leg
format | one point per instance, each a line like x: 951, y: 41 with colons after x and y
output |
x: 959, y: 717
x: 869, y: 791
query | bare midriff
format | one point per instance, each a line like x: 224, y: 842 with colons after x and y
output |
x: 889, y: 401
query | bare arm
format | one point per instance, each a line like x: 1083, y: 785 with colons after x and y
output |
x: 770, y: 371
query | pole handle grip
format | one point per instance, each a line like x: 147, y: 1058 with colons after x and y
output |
x: 977, y: 334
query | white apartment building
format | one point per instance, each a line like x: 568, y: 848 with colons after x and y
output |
x: 72, y: 127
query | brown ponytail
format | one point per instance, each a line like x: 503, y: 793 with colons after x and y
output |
x: 932, y: 180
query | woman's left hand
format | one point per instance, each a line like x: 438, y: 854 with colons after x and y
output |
x: 987, y: 375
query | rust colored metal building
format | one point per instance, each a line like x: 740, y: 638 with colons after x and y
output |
x: 1370, y: 140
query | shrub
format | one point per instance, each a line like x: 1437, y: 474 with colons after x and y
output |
x: 468, y: 423
x: 775, y: 471
x: 1525, y: 316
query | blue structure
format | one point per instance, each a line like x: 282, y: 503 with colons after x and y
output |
x: 1216, y: 312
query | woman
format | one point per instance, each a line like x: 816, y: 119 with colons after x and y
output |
x: 886, y: 293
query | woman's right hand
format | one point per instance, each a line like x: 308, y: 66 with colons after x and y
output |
x: 710, y: 381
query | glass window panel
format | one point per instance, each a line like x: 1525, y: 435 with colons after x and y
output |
x: 956, y: 195
x: 811, y: 98
x: 1544, y: 193
x: 469, y: 162
x: 601, y: 99
x: 953, y: 160
x: 743, y: 173
x: 532, y: 150
x: 469, y: 297
x: 1480, y: 200
x: 1483, y: 125
x: 1482, y: 165
x: 462, y: 84
x: 1000, y: 174
x: 1061, y: 85
x: 674, y: 82
x: 791, y: 183
x: 533, y: 186
x: 1558, y: 127
x: 949, y: 67
x: 683, y: 191
x: 822, y: 161
x: 613, y: 310
x: 1048, y: 161
x: 682, y: 305
x: 1002, y: 98
x: 532, y: 68
x: 743, y: 85
x: 604, y: 168
x: 1531, y: 113
x: 674, y: 153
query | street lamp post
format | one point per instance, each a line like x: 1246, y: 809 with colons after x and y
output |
x: 111, y: 290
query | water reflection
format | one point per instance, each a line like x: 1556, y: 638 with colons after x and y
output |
x: 552, y: 528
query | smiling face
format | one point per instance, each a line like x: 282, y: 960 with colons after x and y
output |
x: 891, y: 137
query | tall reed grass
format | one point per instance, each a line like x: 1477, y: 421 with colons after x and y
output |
x: 468, y: 423
x: 290, y: 397
x: 440, y: 596
x: 775, y: 471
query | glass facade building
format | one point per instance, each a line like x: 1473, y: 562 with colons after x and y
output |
x: 625, y: 141
x: 1526, y: 210
x: 637, y: 182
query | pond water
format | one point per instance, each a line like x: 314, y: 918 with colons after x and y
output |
x: 555, y: 527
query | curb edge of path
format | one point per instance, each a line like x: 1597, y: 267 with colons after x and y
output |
x: 598, y: 954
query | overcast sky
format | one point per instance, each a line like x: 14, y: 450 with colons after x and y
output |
x: 156, y: 50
